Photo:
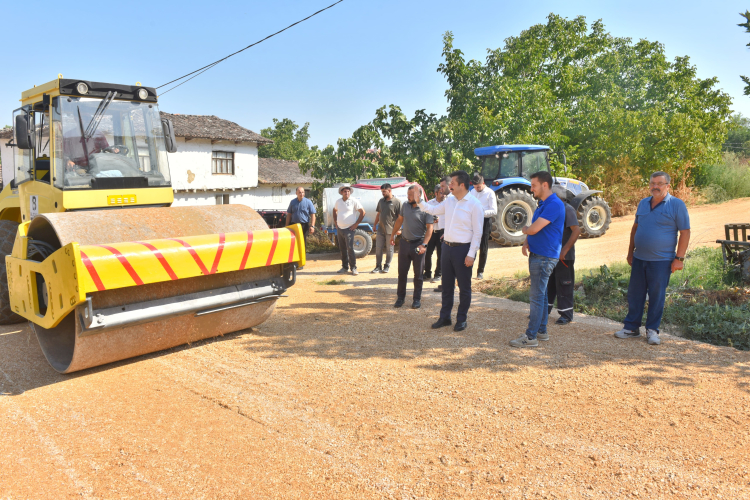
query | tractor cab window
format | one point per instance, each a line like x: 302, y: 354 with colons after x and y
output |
x: 111, y: 144
x: 509, y: 165
x: 534, y: 161
x: 490, y: 167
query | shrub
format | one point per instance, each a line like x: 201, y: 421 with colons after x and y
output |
x: 318, y: 242
x: 726, y: 180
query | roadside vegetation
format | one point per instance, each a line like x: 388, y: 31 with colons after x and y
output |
x: 318, y: 242
x: 704, y: 301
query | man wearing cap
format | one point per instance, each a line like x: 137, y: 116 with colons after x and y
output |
x: 302, y: 211
x: 436, y: 242
x: 488, y: 199
x: 388, y: 210
x: 463, y: 232
x: 416, y: 230
x: 347, y: 214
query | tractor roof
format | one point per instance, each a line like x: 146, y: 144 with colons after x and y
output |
x: 491, y: 150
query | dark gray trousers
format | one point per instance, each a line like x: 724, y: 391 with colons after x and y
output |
x: 408, y: 257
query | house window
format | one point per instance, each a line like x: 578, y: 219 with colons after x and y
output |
x: 222, y: 199
x: 276, y: 194
x: 222, y: 162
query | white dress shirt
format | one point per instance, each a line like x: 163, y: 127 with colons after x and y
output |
x: 441, y: 220
x: 488, y: 199
x: 464, y: 220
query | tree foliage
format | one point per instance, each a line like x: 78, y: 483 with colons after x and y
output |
x: 738, y: 135
x: 289, y: 140
x: 604, y: 100
x: 746, y: 25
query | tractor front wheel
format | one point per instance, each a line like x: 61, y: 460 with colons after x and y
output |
x: 594, y: 217
x: 515, y: 208
x: 362, y: 243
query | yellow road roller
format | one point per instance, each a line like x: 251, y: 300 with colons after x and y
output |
x: 93, y: 254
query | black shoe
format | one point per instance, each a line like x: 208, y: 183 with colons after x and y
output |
x: 416, y: 304
x: 439, y: 289
x: 460, y: 327
x: 399, y: 302
x: 562, y: 321
x: 426, y: 276
x: 386, y: 269
x: 480, y: 276
x: 441, y: 323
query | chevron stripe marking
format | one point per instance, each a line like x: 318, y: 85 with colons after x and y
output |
x: 273, y: 246
x: 161, y: 258
x: 124, y: 261
x: 194, y: 254
x: 92, y: 272
x: 247, y: 250
x: 215, y: 267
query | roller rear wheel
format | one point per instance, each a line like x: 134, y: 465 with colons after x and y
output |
x: 8, y: 230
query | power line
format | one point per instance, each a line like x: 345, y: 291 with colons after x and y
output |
x: 209, y: 66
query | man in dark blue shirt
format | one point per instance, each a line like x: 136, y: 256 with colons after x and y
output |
x: 651, y: 254
x: 302, y: 211
x: 542, y: 246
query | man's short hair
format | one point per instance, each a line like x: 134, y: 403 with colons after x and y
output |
x: 437, y: 187
x: 477, y: 178
x: 543, y: 176
x: 662, y: 174
x: 446, y: 179
x: 461, y: 177
x: 300, y: 187
x: 385, y: 186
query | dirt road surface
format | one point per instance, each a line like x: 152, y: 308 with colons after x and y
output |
x: 339, y: 395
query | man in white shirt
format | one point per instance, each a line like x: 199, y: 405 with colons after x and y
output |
x: 436, y: 242
x: 464, y: 218
x: 488, y: 199
x: 347, y: 214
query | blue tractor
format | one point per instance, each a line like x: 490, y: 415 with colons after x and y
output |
x: 507, y: 169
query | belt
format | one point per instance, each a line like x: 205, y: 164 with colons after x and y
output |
x: 418, y: 240
x: 452, y: 244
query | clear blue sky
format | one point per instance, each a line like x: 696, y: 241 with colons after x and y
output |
x: 335, y: 69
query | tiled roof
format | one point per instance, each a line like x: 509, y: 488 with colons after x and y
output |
x: 273, y: 171
x: 212, y: 127
x: 6, y: 133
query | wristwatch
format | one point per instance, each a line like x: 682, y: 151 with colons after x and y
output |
x: 681, y: 259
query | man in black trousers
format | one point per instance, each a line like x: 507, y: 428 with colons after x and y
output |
x: 416, y: 231
x: 464, y: 220
x: 562, y: 279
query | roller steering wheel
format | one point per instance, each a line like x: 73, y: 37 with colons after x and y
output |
x: 123, y: 149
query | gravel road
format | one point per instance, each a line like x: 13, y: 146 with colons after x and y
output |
x: 339, y: 395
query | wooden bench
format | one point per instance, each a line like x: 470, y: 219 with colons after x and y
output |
x: 736, y: 244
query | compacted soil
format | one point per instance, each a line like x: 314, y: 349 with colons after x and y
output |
x: 339, y: 395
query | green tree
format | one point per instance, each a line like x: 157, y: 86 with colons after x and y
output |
x: 363, y: 155
x: 609, y: 103
x: 289, y: 140
x: 746, y: 25
x: 422, y: 148
x: 738, y: 135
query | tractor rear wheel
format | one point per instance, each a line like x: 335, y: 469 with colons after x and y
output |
x: 515, y: 208
x: 594, y: 217
x: 8, y: 230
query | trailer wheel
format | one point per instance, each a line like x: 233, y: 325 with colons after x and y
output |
x: 515, y: 208
x: 594, y: 217
x: 8, y: 230
x: 362, y: 243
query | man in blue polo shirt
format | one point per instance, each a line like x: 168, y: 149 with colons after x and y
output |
x: 302, y: 211
x: 651, y: 254
x: 543, y: 242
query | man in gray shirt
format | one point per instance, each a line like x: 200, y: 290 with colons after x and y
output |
x: 416, y: 231
x: 388, y: 210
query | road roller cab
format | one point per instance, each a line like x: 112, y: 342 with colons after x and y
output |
x: 92, y: 254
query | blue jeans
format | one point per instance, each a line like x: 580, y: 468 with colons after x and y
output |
x: 540, y: 269
x: 652, y: 277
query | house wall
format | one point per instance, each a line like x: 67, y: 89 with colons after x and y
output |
x: 261, y: 198
x: 190, y: 166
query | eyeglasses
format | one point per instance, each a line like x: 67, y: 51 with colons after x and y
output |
x: 658, y: 184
